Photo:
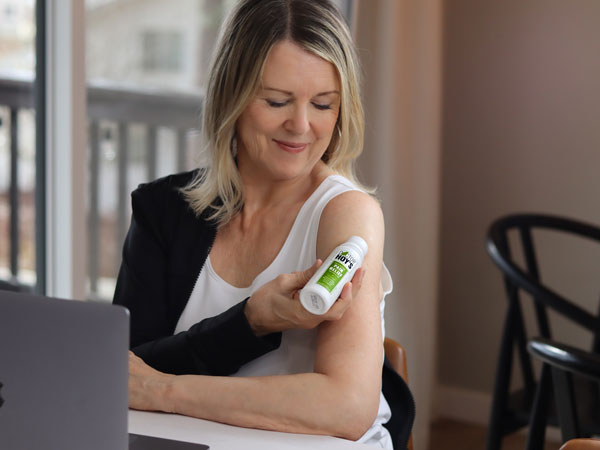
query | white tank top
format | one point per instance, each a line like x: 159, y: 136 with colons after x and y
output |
x: 212, y: 295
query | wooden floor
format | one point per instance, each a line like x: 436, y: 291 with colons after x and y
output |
x: 451, y: 435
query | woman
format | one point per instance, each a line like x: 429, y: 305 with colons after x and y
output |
x: 284, y: 124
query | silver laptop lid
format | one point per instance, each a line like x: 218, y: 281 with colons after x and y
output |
x: 64, y: 371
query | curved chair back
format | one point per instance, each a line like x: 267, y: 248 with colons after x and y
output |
x: 529, y: 279
x: 514, y: 409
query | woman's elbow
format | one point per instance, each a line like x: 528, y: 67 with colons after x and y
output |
x: 359, y: 413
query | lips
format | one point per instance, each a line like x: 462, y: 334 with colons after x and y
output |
x: 291, y: 147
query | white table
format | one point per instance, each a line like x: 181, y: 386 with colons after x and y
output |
x: 227, y: 437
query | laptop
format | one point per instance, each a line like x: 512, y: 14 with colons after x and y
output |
x: 64, y: 376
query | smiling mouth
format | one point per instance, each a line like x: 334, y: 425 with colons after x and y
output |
x: 291, y: 147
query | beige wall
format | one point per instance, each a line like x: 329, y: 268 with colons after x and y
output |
x: 400, y: 48
x: 521, y: 132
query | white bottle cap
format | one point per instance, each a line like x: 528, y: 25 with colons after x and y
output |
x: 313, y: 302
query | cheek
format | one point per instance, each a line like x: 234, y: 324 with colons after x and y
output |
x: 256, y: 122
x: 326, y: 126
x: 251, y: 139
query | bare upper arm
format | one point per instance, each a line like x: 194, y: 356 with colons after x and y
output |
x: 351, y: 348
x: 348, y: 214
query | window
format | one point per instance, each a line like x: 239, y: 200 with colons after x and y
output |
x: 17, y: 143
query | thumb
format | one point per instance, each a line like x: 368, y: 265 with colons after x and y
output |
x: 299, y: 279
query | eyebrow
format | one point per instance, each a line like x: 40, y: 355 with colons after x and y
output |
x: 290, y: 93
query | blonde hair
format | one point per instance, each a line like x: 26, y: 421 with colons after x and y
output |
x: 252, y: 28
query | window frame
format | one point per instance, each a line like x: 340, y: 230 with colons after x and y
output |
x: 64, y: 214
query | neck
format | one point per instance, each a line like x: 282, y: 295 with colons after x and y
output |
x: 262, y: 193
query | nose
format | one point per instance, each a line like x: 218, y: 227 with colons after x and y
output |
x: 299, y: 121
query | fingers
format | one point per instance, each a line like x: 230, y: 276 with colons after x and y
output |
x: 303, y: 277
x: 357, y: 280
x: 270, y: 308
x: 337, y: 310
x: 297, y: 280
x: 347, y: 296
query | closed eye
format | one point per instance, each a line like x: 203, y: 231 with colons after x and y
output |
x: 321, y: 106
x: 275, y: 104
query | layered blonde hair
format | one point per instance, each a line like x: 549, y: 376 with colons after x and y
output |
x: 250, y: 31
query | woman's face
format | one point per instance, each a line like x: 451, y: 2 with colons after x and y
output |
x: 287, y: 127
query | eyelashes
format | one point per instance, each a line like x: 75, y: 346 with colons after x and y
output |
x: 273, y: 104
x: 319, y: 106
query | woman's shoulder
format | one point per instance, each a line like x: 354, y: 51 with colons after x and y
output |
x: 347, y: 195
x: 169, y: 184
x: 352, y: 212
x: 353, y: 203
x: 160, y: 202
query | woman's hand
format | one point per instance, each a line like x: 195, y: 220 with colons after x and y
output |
x: 276, y: 305
x: 148, y: 388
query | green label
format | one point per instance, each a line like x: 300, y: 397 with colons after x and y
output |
x: 332, y: 276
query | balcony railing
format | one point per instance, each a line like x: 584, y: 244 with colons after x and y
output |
x: 125, y: 126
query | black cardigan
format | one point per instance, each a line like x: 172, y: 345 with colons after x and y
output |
x: 164, y: 251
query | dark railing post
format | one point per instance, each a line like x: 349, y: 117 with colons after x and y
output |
x: 122, y: 200
x: 151, y: 149
x: 14, y: 192
x: 181, y: 145
x: 93, y: 215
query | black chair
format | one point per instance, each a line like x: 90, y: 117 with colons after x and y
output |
x: 564, y: 362
x: 533, y: 404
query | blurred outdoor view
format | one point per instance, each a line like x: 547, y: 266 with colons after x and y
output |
x: 146, y: 63
x: 17, y: 132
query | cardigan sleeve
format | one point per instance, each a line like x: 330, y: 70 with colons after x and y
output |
x: 217, y: 345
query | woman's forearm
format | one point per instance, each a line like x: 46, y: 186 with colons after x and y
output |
x: 309, y: 403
